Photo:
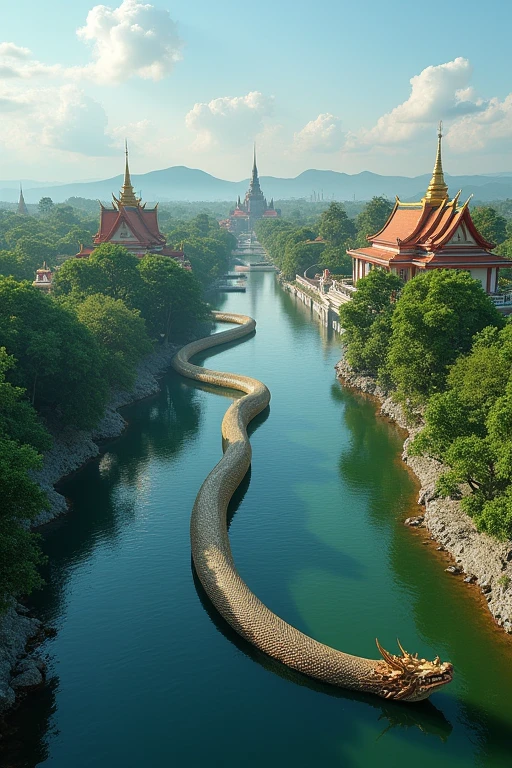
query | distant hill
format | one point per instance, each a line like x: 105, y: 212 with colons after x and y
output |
x: 181, y: 183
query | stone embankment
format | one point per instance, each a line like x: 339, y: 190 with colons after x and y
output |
x: 20, y: 671
x: 479, y: 558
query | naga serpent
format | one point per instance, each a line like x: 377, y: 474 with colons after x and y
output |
x: 404, y: 677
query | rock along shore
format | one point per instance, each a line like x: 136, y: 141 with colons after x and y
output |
x: 484, y: 561
x: 71, y: 448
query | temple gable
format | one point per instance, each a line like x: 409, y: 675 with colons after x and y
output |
x: 124, y: 233
x: 461, y: 236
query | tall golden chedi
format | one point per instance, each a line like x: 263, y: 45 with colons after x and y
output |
x: 437, y: 191
x: 436, y: 233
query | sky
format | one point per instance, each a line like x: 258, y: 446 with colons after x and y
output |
x: 346, y: 86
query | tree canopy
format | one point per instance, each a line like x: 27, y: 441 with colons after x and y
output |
x: 21, y: 437
x: 172, y: 303
x: 491, y: 225
x: 121, y: 336
x: 58, y: 360
x: 366, y: 321
x: 372, y: 218
x: 469, y: 428
x: 434, y: 322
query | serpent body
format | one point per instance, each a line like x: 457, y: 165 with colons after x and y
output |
x: 403, y: 677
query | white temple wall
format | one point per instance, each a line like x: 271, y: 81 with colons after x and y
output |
x: 480, y: 274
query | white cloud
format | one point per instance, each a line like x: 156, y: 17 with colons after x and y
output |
x: 490, y: 129
x: 16, y: 62
x: 229, y: 120
x: 440, y: 91
x: 13, y: 51
x: 62, y: 118
x: 321, y: 135
x: 134, y: 39
x: 74, y: 122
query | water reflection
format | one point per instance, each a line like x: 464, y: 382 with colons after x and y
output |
x: 104, y: 496
x: 446, y: 622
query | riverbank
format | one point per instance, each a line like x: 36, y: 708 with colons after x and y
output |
x: 480, y: 559
x: 20, y: 671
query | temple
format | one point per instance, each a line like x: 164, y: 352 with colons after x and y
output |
x: 254, y: 207
x: 44, y: 278
x: 22, y: 209
x: 131, y: 224
x: 435, y: 233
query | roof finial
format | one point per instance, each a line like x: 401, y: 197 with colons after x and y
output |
x: 437, y: 191
x: 22, y: 209
x: 127, y: 196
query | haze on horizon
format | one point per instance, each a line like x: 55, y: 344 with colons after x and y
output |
x: 332, y: 86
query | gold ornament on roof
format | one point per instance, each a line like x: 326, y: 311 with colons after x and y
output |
x: 127, y: 196
x: 437, y: 192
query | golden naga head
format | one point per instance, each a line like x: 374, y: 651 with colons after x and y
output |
x: 409, y: 678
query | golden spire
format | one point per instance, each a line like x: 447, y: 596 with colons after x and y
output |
x: 127, y: 194
x: 437, y: 191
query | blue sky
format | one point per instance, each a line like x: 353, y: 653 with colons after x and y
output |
x: 345, y: 86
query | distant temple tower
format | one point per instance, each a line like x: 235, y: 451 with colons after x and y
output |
x: 130, y: 224
x: 44, y: 279
x: 254, y: 207
x: 435, y: 233
x: 22, y: 209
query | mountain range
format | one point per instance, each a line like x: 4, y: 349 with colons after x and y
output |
x: 180, y: 183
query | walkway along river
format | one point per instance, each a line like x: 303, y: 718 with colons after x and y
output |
x: 145, y: 673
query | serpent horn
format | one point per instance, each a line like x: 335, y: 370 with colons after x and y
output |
x: 388, y: 657
x: 404, y: 653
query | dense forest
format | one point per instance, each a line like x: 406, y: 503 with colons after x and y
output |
x: 444, y: 351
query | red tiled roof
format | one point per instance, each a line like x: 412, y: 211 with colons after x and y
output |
x: 379, y: 254
x: 425, y: 226
x: 402, y: 223
x: 84, y: 253
x: 141, y: 221
x: 170, y: 252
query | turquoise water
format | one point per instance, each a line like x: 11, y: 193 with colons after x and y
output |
x: 145, y: 673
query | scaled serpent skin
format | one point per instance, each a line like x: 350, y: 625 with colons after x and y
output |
x: 394, y: 677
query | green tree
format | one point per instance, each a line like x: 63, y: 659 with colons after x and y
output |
x: 172, y: 305
x: 58, y: 360
x: 469, y: 429
x: 80, y: 278
x: 434, y: 321
x: 120, y: 269
x: 18, y: 420
x: 335, y: 225
x: 372, y: 218
x: 366, y: 321
x: 120, y: 333
x: 299, y: 256
x: 34, y: 251
x: 491, y: 225
x: 45, y: 206
x: 13, y: 264
x: 20, y: 437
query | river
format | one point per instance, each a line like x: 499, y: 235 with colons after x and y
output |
x: 145, y: 673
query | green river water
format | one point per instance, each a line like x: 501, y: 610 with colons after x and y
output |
x: 144, y: 673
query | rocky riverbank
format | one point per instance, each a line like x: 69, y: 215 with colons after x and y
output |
x: 479, y: 559
x: 20, y: 671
